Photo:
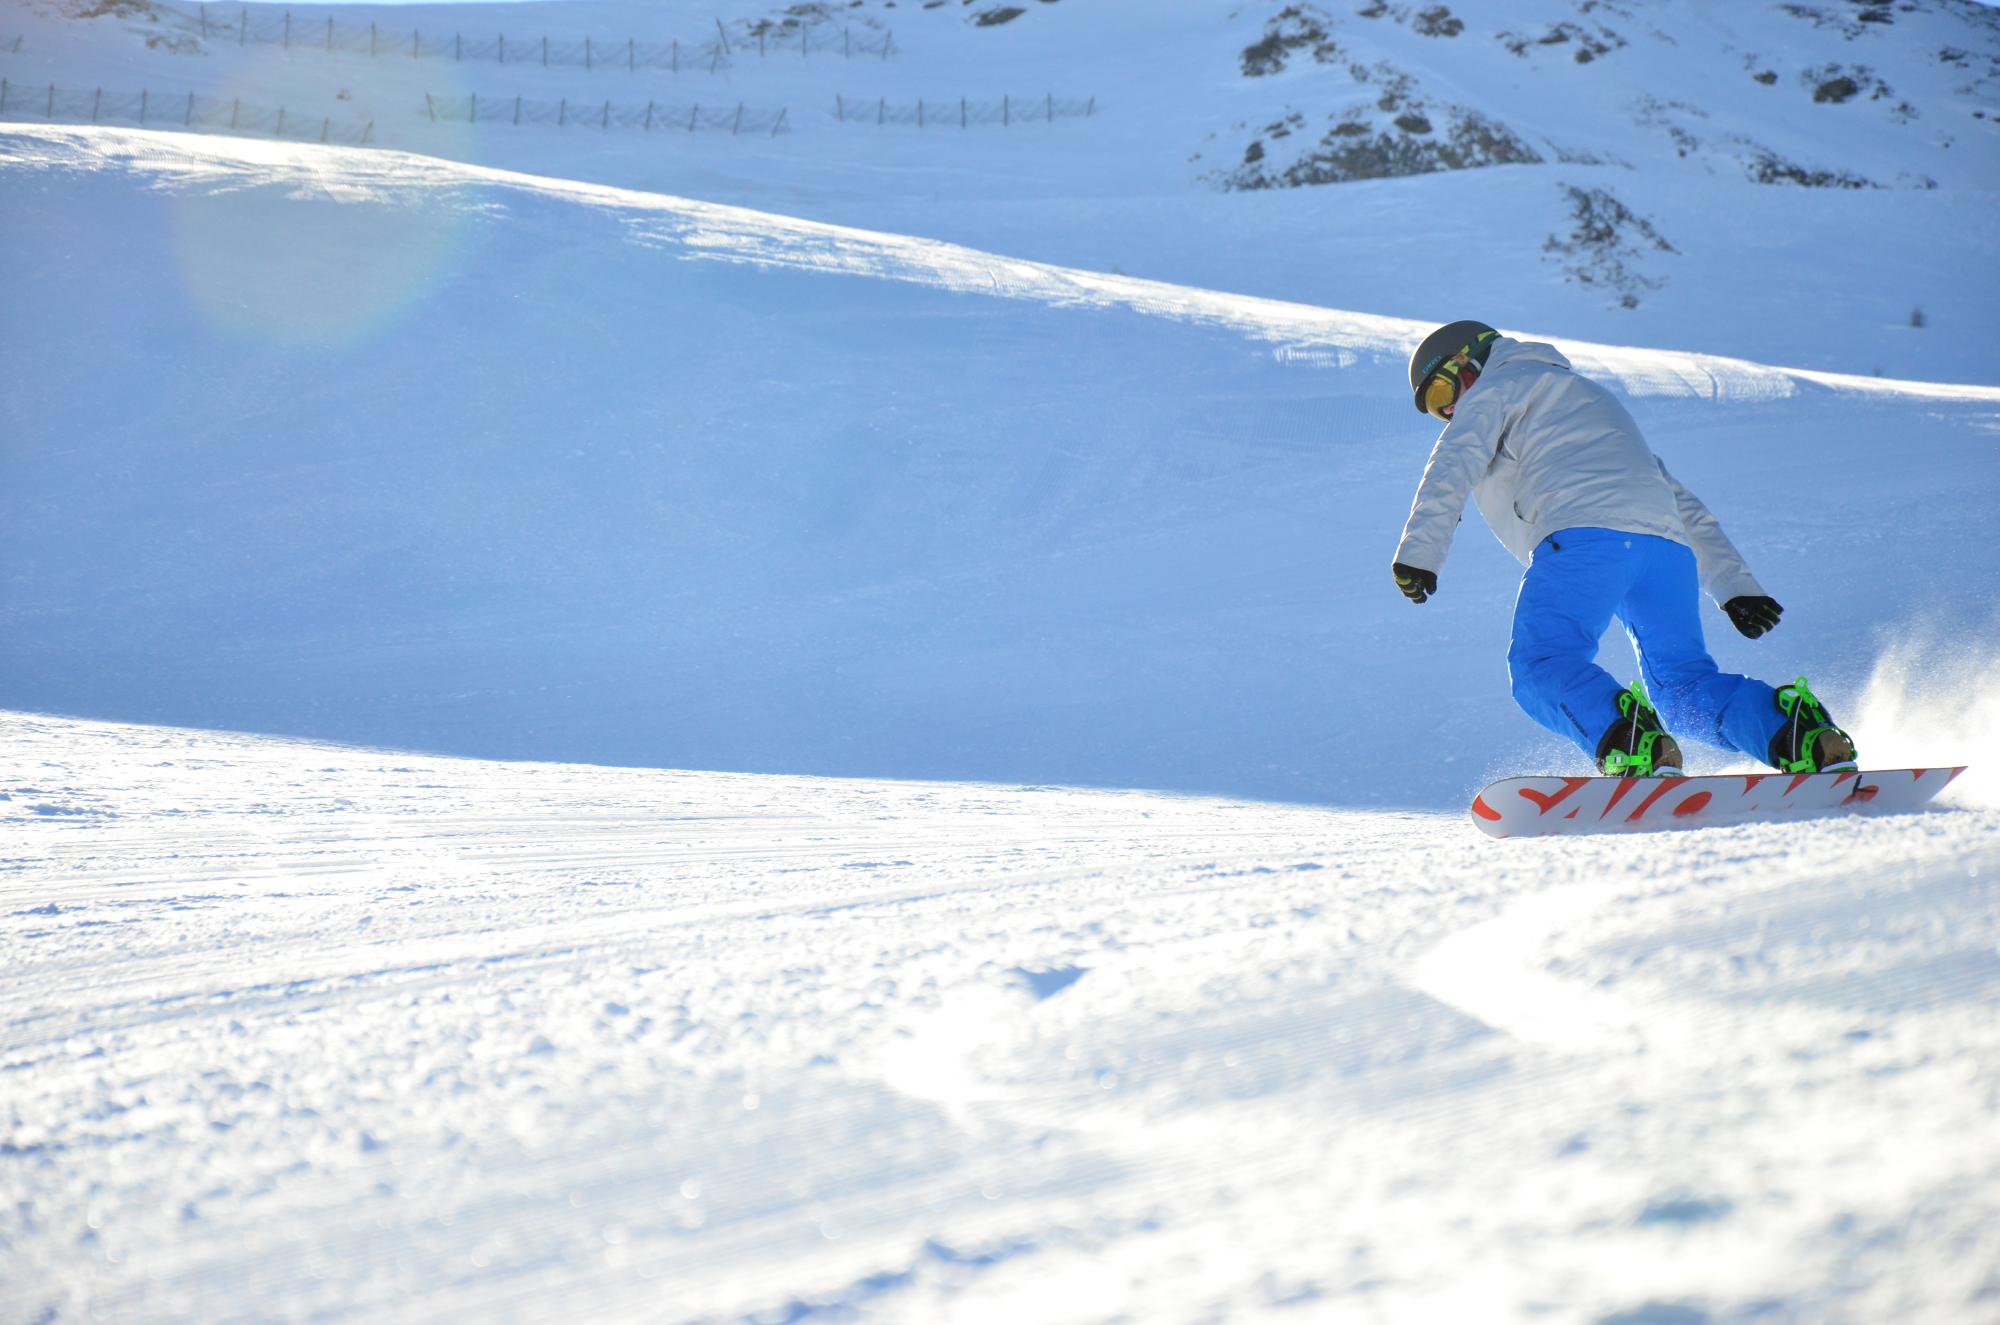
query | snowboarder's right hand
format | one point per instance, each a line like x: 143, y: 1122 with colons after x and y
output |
x: 1753, y: 614
x: 1416, y: 583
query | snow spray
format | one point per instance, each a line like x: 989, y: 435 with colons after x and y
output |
x: 1929, y: 703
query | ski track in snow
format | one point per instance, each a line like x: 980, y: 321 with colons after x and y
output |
x: 532, y: 1042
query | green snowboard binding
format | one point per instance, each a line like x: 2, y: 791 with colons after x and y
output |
x: 1808, y: 742
x: 1636, y: 745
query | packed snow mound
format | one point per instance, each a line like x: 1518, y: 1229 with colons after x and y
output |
x: 451, y: 458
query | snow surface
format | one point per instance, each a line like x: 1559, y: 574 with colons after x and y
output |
x: 306, y: 1032
x: 1066, y: 910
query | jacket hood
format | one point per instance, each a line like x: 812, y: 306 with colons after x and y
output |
x: 1507, y: 350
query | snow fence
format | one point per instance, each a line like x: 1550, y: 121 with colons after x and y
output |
x: 963, y: 112
x: 566, y: 112
x: 763, y: 38
x: 175, y: 110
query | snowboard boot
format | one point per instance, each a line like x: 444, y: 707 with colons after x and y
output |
x: 1636, y: 745
x: 1808, y: 742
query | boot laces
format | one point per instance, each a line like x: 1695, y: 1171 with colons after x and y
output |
x: 1632, y: 706
x: 1807, y: 722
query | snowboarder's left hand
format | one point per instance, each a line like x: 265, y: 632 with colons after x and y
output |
x: 1753, y: 614
x: 1416, y: 583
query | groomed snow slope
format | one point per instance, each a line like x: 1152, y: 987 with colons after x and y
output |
x: 298, y: 1032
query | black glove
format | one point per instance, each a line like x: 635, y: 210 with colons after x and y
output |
x: 1416, y: 583
x: 1753, y: 614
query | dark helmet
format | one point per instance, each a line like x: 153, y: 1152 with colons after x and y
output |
x: 1475, y: 338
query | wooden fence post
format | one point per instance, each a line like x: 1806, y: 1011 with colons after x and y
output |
x: 371, y: 40
x: 693, y: 115
x: 1006, y: 111
x: 188, y: 122
x: 839, y: 108
x: 329, y: 34
x: 545, y: 52
x: 607, y: 115
x: 52, y: 101
x: 414, y: 34
x: 562, y: 114
x: 431, y: 107
x: 649, y: 114
x: 324, y: 126
x: 677, y: 54
x: 235, y: 109
x: 204, y: 22
x: 288, y: 29
x: 781, y: 121
x: 725, y: 37
x: 95, y: 104
x: 586, y: 55
x: 281, y: 123
x: 144, y: 98
x: 920, y: 112
x: 738, y: 126
x: 631, y: 56
x: 961, y: 113
x: 882, y: 112
x: 242, y: 27
x: 517, y: 109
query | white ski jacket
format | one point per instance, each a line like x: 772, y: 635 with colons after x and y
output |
x: 1542, y: 450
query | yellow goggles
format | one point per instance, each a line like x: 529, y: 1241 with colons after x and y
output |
x: 1441, y: 393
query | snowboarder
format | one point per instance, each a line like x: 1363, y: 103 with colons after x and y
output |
x: 1568, y: 484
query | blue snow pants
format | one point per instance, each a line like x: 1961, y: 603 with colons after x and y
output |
x: 1577, y: 580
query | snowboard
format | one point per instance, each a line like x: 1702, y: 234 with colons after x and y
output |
x: 1550, y: 807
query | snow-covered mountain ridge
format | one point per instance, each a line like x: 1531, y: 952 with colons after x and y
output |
x: 1658, y: 183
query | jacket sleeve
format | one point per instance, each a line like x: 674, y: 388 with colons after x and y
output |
x: 1459, y: 459
x: 1724, y: 573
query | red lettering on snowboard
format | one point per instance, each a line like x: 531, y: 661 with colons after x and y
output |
x: 1699, y: 801
x: 1695, y: 803
x: 1550, y: 802
x: 1666, y: 785
x: 1618, y: 794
